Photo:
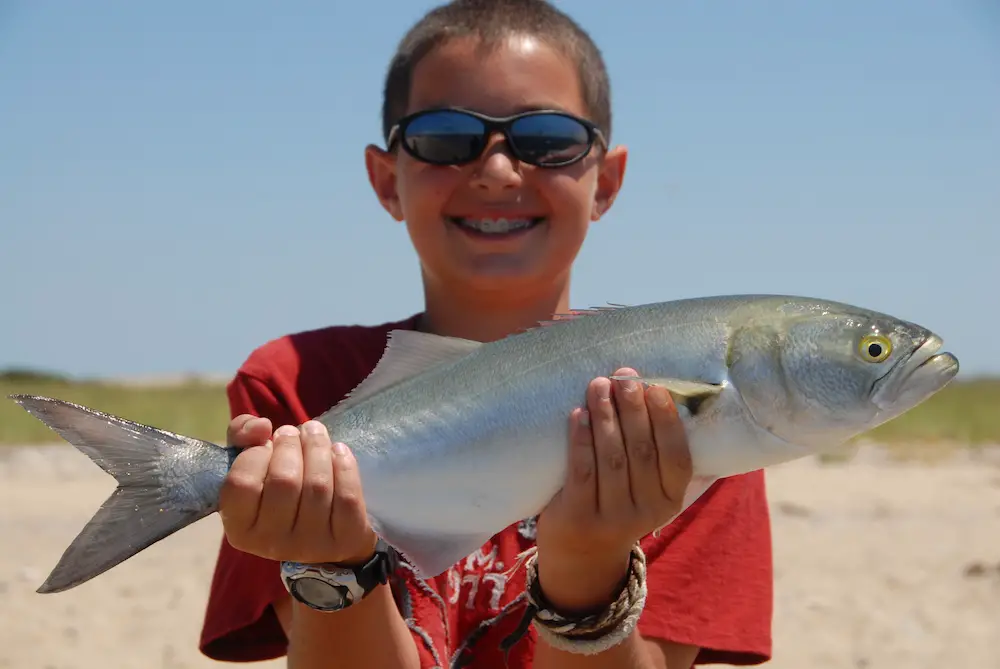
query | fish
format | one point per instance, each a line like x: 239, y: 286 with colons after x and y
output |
x: 456, y: 440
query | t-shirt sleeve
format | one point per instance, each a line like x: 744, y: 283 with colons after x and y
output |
x: 710, y: 575
x: 240, y: 623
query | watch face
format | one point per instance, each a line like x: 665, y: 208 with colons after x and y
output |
x: 320, y: 594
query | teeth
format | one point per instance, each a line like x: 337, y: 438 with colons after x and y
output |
x: 496, y: 225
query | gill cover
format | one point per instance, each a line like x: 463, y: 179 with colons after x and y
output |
x: 808, y: 380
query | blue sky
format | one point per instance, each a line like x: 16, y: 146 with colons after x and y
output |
x: 182, y: 181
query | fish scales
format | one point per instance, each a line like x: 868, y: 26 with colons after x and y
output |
x: 500, y: 415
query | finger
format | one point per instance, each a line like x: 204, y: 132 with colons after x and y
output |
x: 613, y: 496
x: 236, y: 426
x: 672, y: 446
x: 315, y: 503
x: 247, y: 430
x: 240, y: 496
x: 282, y: 485
x: 580, y: 490
x: 349, y: 520
x: 640, y: 445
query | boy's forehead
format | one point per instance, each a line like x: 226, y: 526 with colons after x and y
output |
x: 517, y: 74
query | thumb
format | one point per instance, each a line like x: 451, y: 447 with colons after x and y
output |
x: 246, y: 430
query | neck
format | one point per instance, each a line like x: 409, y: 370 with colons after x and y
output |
x: 488, y: 316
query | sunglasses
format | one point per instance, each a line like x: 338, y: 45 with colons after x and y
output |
x: 457, y: 136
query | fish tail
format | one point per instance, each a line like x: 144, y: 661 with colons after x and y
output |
x: 165, y: 482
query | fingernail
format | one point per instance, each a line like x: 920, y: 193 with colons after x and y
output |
x: 340, y: 449
x: 585, y: 418
x: 286, y: 431
x: 628, y: 385
x: 247, y: 426
x: 604, y: 390
x: 314, y: 427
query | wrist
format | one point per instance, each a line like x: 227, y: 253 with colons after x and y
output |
x: 584, y: 610
x: 378, y: 634
x: 582, y: 583
x: 363, y: 554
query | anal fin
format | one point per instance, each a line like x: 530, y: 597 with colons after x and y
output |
x: 430, y: 554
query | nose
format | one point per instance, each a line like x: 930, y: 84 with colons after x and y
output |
x: 497, y: 169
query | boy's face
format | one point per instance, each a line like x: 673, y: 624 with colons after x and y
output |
x: 520, y: 75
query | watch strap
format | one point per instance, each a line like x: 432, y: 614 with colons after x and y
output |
x: 333, y: 586
x: 376, y: 570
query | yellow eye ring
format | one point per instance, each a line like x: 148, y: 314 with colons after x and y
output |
x: 875, y: 348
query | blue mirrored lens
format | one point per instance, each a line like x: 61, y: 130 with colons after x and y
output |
x: 549, y: 139
x: 445, y: 137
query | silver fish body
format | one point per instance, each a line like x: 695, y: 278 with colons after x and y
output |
x: 456, y: 440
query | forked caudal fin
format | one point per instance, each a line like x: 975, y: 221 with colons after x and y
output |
x: 165, y: 482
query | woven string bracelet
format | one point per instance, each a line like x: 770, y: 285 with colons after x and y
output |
x: 585, y: 635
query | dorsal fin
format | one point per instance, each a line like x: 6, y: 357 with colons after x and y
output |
x: 407, y: 354
x: 579, y: 313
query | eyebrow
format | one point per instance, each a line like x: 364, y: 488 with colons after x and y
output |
x: 516, y: 110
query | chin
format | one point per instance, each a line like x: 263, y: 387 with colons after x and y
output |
x: 502, y: 277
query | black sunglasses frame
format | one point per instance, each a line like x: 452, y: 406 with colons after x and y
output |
x: 493, y: 124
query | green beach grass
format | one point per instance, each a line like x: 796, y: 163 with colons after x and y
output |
x: 192, y: 408
x: 966, y: 412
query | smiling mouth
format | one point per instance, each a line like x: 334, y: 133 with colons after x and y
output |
x: 495, y: 227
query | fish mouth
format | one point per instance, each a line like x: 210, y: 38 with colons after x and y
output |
x: 916, y: 377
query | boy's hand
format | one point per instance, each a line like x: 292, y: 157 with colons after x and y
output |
x: 629, y: 468
x: 295, y: 497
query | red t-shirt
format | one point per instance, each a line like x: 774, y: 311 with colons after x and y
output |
x: 709, y: 573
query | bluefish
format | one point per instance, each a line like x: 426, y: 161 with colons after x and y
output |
x: 456, y: 440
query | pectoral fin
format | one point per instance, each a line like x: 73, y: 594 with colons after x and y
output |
x: 690, y: 394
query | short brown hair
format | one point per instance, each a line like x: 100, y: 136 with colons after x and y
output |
x: 492, y: 21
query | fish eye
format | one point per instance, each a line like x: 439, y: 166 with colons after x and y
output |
x: 875, y: 348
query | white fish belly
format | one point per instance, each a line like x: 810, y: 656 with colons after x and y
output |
x: 479, y: 473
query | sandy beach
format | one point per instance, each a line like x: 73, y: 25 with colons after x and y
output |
x: 878, y: 565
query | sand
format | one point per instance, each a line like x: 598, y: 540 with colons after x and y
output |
x: 878, y: 564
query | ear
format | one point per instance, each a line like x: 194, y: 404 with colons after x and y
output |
x: 611, y: 173
x: 381, y: 167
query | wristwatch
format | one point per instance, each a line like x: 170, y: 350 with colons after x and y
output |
x: 332, y: 587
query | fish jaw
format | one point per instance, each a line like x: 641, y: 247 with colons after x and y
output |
x: 914, y: 379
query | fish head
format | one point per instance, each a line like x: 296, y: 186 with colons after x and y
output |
x: 816, y: 375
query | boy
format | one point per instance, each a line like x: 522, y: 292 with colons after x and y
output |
x: 497, y: 214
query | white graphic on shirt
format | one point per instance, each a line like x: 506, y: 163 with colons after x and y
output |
x: 526, y: 528
x: 476, y: 583
x: 480, y: 571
